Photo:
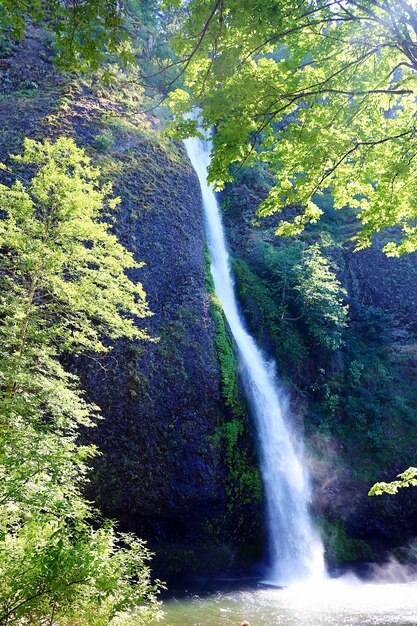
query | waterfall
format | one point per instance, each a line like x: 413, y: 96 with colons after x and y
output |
x: 295, y: 547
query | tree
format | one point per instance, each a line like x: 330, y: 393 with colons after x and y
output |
x: 407, y: 479
x: 304, y: 285
x: 84, y: 31
x: 63, y: 289
x: 323, y: 92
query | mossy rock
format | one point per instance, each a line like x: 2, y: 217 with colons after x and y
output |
x: 340, y: 547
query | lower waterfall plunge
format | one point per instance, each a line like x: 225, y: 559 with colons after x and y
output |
x: 295, y: 546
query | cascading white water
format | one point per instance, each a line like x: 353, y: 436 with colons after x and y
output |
x: 296, y: 549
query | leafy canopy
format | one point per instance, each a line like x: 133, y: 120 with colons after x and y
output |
x: 323, y: 92
x: 63, y: 289
x: 83, y: 31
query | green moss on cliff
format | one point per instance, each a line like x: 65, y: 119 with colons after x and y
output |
x: 226, y: 351
x: 227, y: 359
x: 244, y: 479
x: 340, y: 547
x: 266, y: 314
x: 244, y: 485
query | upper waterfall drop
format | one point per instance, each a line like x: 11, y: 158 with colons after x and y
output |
x: 295, y: 546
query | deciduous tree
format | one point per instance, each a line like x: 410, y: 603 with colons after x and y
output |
x: 83, y: 31
x: 323, y: 92
x: 63, y: 289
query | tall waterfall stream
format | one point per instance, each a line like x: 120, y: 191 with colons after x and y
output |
x: 295, y: 546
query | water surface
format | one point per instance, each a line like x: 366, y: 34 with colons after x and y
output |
x: 342, y: 602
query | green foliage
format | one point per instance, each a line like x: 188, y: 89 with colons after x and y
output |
x: 224, y: 347
x: 146, y: 11
x: 302, y: 89
x: 407, y: 479
x: 57, y: 244
x: 64, y: 289
x: 354, y: 390
x: 244, y: 481
x: 339, y: 547
x: 256, y: 177
x: 226, y: 356
x: 150, y: 26
x: 83, y: 34
x: 303, y: 280
x: 365, y: 401
x: 321, y: 297
x: 104, y: 141
x: 297, y: 296
x: 351, y: 382
x: 266, y: 315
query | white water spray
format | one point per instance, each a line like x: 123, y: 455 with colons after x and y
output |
x: 296, y: 549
